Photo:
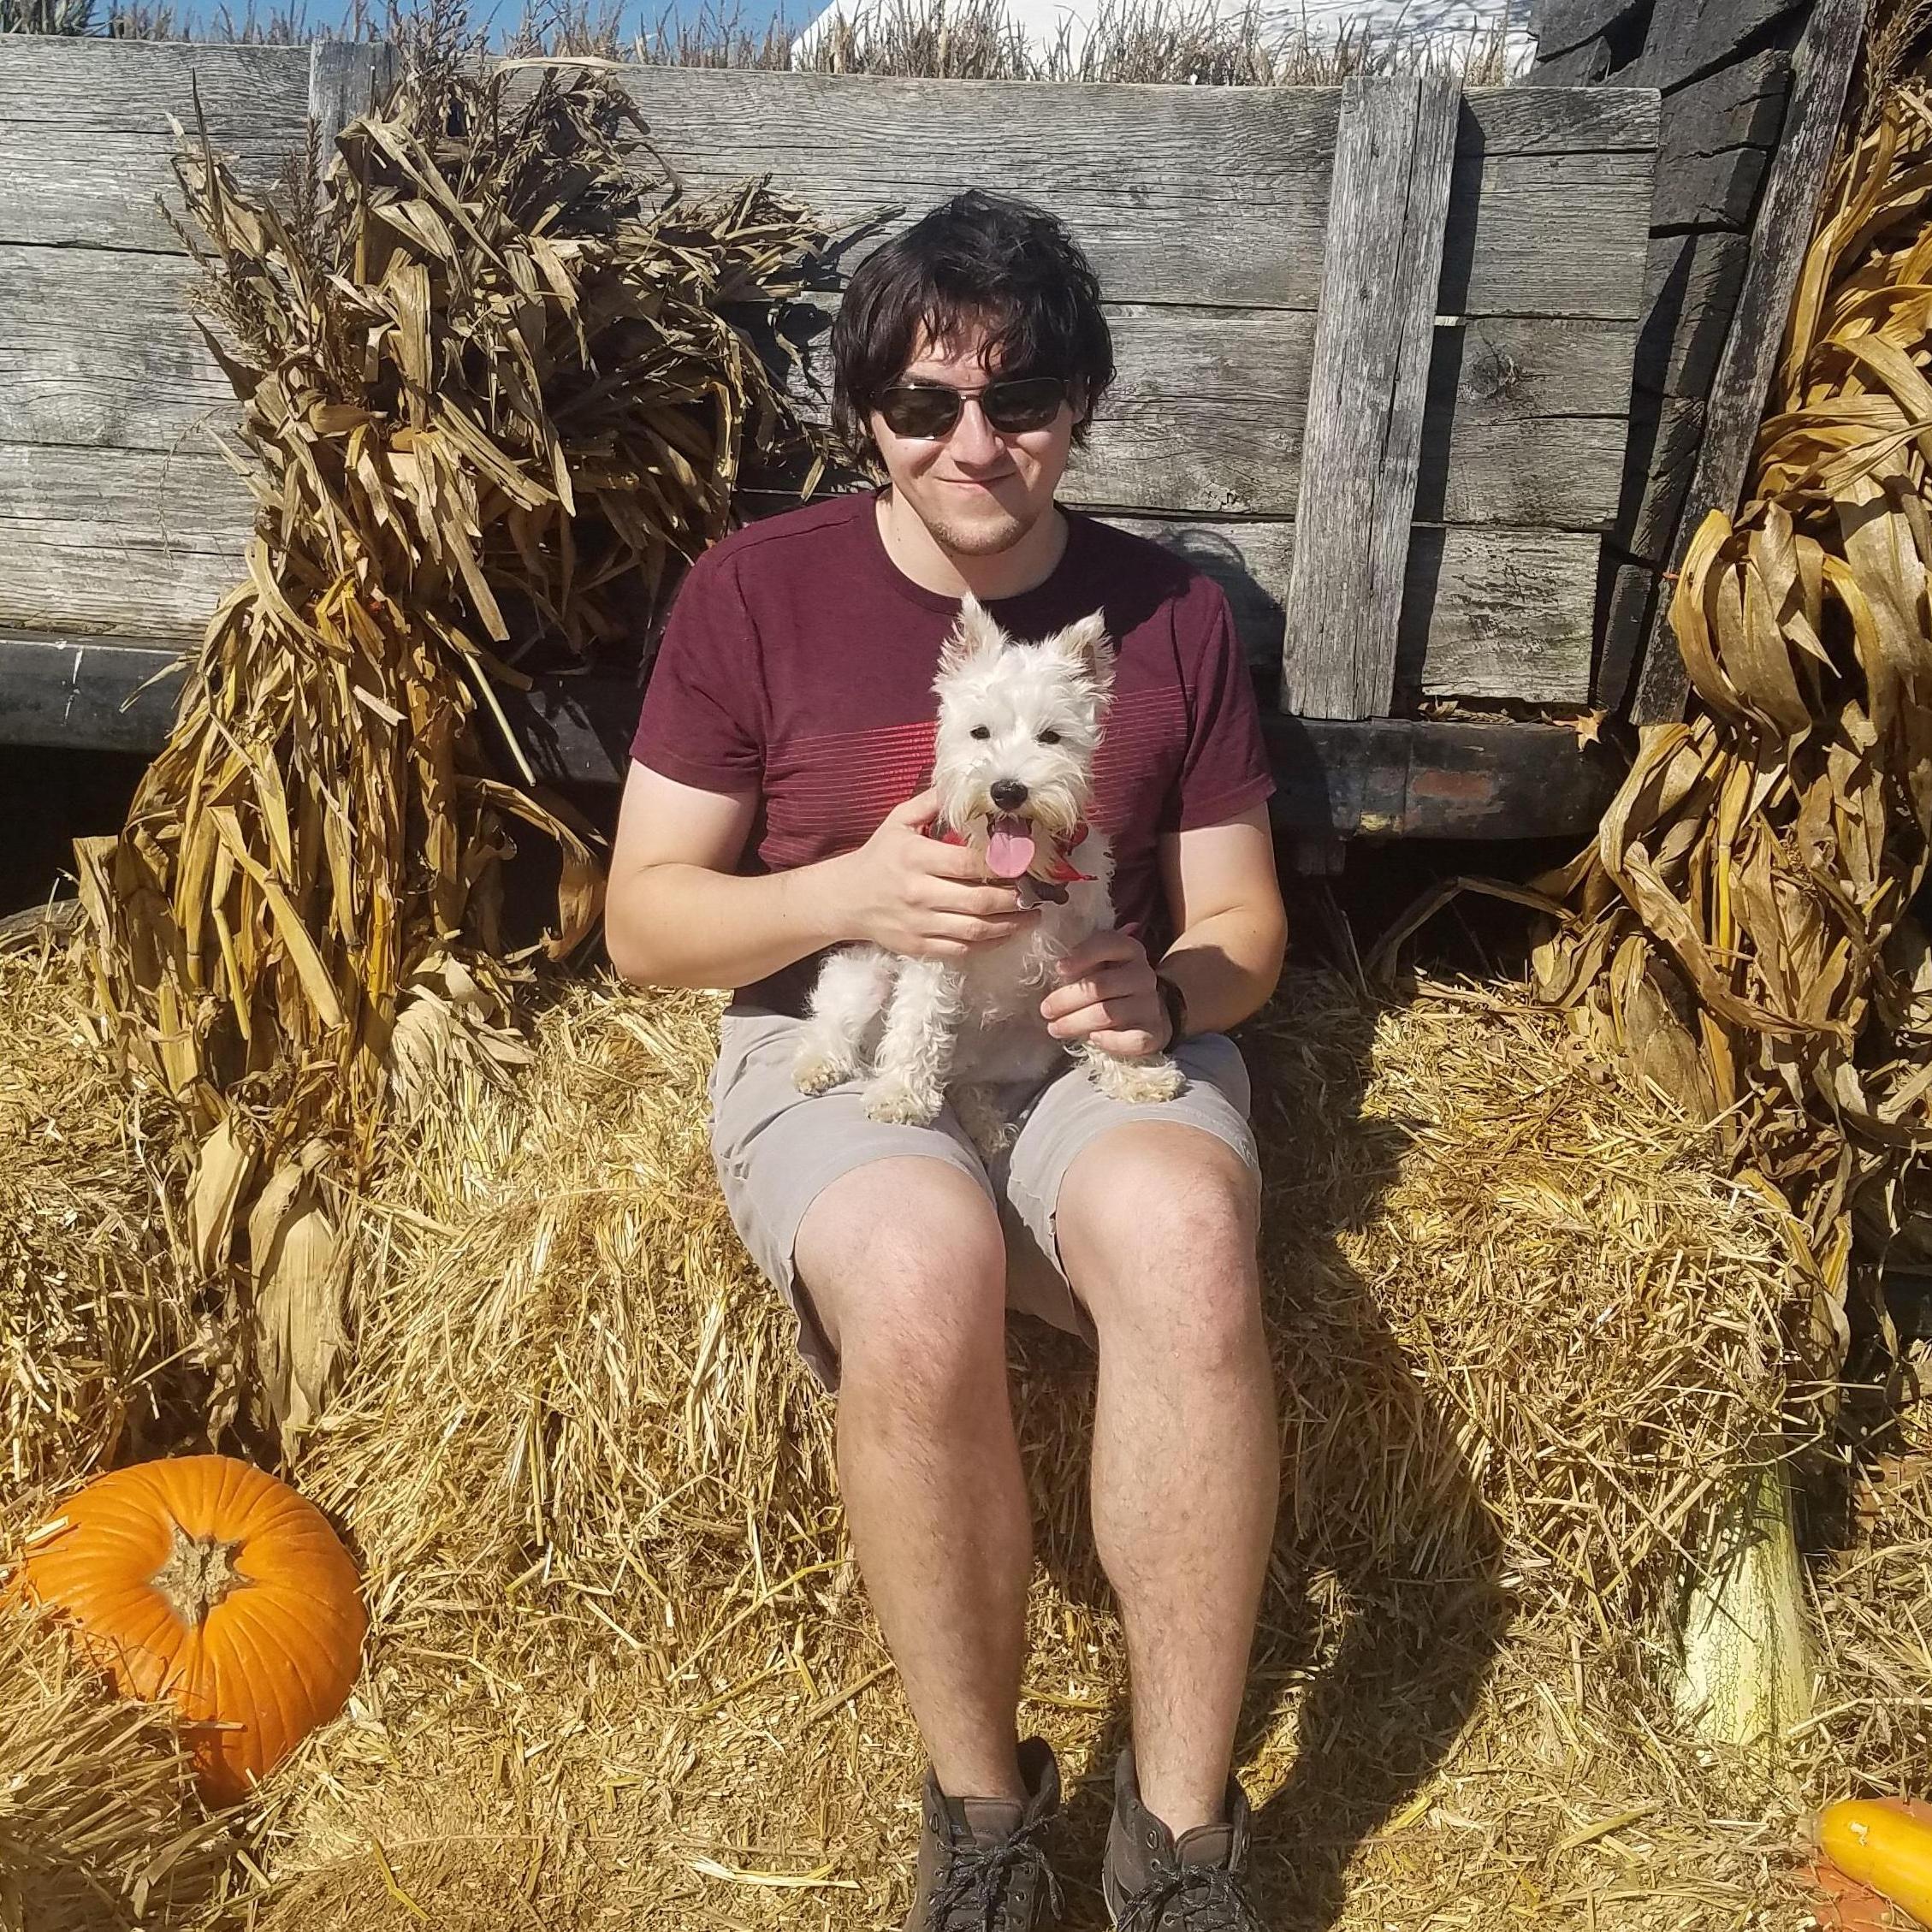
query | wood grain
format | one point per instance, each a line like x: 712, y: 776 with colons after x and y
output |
x: 1182, y: 194
x: 84, y: 138
x: 1363, y: 438
x: 1525, y: 422
x: 142, y: 545
x: 1486, y: 613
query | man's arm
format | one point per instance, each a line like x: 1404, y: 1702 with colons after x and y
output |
x: 1233, y: 930
x: 1226, y: 903
x: 679, y: 913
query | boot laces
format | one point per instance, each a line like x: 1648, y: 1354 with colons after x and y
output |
x: 973, y: 1896
x: 1200, y: 1899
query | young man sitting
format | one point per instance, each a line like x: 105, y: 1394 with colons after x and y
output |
x: 775, y: 808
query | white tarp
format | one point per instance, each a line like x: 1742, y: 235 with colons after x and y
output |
x: 1448, y: 31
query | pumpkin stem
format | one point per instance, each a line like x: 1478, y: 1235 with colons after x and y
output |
x: 199, y: 1574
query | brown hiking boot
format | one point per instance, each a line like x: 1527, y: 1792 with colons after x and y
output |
x: 1153, y: 1884
x: 981, y: 1867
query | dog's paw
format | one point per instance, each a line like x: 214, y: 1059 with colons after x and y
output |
x: 1138, y: 1082
x: 903, y: 1103
x: 817, y: 1072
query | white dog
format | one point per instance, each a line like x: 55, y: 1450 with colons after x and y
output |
x: 1018, y: 726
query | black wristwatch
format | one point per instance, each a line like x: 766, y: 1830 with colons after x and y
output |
x: 1176, y: 1002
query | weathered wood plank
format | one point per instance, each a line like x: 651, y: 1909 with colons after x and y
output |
x: 1513, y: 218
x: 1692, y: 286
x: 346, y: 79
x: 97, y: 346
x: 84, y: 132
x: 1719, y: 133
x: 1739, y: 105
x: 1665, y: 435
x: 1486, y: 613
x: 86, y: 693
x: 1364, y: 431
x: 130, y: 542
x: 1823, y: 68
x: 1626, y: 623
x: 1582, y: 65
x: 1524, y: 422
x: 1182, y: 194
x: 1560, y: 25
x: 1422, y: 778
x: 1688, y: 38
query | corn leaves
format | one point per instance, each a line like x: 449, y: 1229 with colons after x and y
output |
x: 1741, y: 926
x: 498, y: 388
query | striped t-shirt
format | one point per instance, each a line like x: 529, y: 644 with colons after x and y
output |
x: 797, y: 666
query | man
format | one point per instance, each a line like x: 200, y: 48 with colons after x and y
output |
x: 775, y: 808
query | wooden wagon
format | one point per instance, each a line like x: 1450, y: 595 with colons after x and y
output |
x: 1376, y: 346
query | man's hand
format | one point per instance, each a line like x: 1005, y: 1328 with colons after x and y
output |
x: 1107, y: 993
x: 919, y: 896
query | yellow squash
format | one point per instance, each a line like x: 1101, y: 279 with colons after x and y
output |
x: 1885, y: 1843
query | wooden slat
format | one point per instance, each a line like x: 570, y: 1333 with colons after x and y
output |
x: 124, y: 541
x: 1524, y: 423
x: 1428, y: 779
x: 84, y: 132
x: 1824, y: 64
x: 1691, y: 38
x: 1364, y: 434
x: 1690, y: 293
x: 346, y: 79
x: 1486, y: 613
x: 1181, y: 194
x: 1719, y: 133
x: 1560, y: 25
x: 1514, y: 245
x: 85, y: 693
x: 135, y: 375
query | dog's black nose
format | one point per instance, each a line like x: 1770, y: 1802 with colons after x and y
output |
x: 1008, y: 794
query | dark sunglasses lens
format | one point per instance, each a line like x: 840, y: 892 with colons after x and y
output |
x: 919, y: 412
x: 1030, y: 404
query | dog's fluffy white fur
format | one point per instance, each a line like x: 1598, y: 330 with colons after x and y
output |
x: 924, y: 1030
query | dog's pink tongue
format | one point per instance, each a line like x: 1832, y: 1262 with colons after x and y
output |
x: 1008, y: 848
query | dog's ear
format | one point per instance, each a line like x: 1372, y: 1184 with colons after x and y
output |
x: 974, y: 634
x: 1086, y: 643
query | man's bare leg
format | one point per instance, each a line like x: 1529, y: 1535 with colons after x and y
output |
x: 1157, y: 1229
x: 907, y: 1269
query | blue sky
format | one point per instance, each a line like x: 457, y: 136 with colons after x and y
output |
x: 638, y: 15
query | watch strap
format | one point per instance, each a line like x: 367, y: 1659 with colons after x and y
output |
x: 1176, y: 1002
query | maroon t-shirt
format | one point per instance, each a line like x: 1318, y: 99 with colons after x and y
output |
x: 798, y: 659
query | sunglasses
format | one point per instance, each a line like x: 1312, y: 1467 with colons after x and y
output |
x: 927, y: 410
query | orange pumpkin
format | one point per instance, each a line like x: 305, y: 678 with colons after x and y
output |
x: 207, y: 1583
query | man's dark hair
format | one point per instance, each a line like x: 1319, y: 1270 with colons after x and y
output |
x: 979, y: 257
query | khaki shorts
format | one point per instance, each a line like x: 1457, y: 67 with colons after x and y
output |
x: 777, y: 1149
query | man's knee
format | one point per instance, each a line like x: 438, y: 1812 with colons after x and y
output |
x: 906, y: 1267
x: 1158, y: 1227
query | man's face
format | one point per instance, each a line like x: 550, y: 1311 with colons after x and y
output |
x: 978, y: 489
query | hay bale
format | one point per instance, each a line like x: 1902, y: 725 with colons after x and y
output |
x: 1523, y: 1322
x: 99, y: 1827
x: 88, y: 1307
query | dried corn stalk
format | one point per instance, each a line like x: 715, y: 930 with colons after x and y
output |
x: 1741, y: 926
x: 496, y: 398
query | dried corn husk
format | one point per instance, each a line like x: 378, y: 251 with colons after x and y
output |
x: 1741, y: 928
x: 494, y: 396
